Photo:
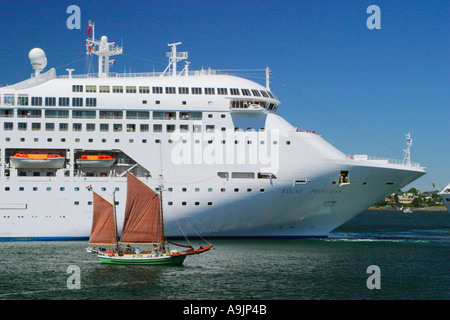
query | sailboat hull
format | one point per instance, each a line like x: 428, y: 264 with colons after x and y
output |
x: 142, y: 260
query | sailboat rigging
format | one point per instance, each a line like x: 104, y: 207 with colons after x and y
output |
x: 143, y: 224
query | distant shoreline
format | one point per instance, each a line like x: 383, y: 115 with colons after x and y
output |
x: 391, y: 208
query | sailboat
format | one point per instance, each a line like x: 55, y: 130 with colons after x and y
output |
x: 143, y: 225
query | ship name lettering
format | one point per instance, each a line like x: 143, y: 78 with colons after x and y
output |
x: 323, y: 191
x: 291, y: 191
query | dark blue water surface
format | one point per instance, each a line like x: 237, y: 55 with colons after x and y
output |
x: 412, y: 252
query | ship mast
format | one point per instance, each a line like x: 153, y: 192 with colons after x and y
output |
x: 407, y: 158
x: 268, y: 73
x: 174, y: 57
x: 103, y: 49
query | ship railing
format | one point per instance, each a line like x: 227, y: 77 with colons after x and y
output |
x: 363, y: 157
x: 141, y: 74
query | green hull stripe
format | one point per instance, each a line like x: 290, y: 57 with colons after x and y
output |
x: 170, y: 260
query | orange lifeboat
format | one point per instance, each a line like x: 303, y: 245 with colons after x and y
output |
x: 37, y: 160
x: 95, y: 161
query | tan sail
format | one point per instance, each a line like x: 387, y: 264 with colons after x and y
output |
x: 142, y: 222
x: 103, y: 225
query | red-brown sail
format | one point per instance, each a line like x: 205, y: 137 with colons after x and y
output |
x: 142, y: 222
x: 103, y: 226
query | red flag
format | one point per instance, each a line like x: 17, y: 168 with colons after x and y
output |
x: 89, y: 30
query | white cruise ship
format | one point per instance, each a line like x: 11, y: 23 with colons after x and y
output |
x: 445, y: 195
x: 230, y: 165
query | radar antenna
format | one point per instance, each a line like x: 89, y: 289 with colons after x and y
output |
x: 174, y: 57
x: 103, y: 49
x: 38, y: 60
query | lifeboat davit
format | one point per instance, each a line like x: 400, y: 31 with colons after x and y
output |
x: 95, y: 161
x: 24, y: 160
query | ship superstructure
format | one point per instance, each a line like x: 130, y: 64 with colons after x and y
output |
x: 232, y: 166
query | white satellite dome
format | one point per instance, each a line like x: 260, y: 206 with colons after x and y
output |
x: 38, y: 59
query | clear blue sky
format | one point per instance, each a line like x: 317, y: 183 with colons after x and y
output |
x: 361, y: 89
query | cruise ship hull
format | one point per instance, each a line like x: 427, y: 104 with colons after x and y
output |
x: 283, y: 210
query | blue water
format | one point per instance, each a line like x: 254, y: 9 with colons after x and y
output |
x: 412, y: 252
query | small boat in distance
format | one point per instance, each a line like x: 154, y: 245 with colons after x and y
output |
x: 36, y: 160
x: 143, y: 225
x: 95, y: 161
x: 406, y: 210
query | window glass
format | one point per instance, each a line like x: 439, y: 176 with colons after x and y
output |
x: 56, y: 113
x: 64, y: 102
x: 91, y: 102
x: 209, y: 91
x: 183, y: 90
x: 160, y: 115
x: 196, y: 90
x: 22, y: 100
x: 36, y: 101
x: 131, y: 89
x: 157, y: 90
x: 8, y: 99
x: 77, y: 88
x: 50, y: 101
x: 117, y: 89
x: 104, y: 89
x: 170, y: 90
x: 144, y: 89
x: 91, y: 88
x: 77, y: 102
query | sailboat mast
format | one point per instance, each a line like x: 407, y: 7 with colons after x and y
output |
x: 161, y: 214
x: 115, y: 221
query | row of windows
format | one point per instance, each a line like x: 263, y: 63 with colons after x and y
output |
x: 117, y: 189
x: 105, y: 127
x: 89, y: 203
x: 60, y: 189
x: 91, y: 140
x: 173, y: 90
x: 104, y: 114
x: 34, y: 217
x: 24, y: 99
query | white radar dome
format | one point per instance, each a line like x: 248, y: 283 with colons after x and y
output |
x: 38, y: 59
